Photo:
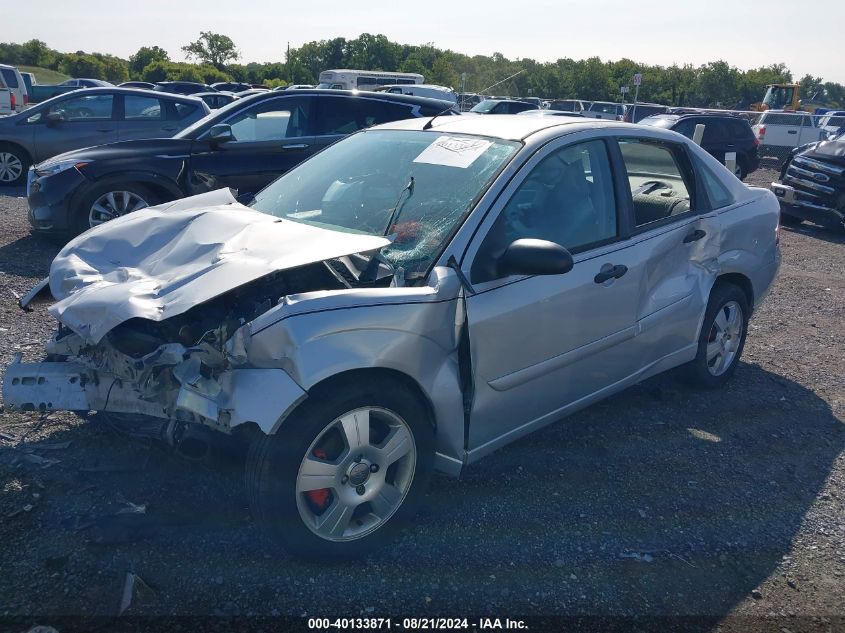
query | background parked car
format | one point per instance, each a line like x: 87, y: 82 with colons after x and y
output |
x: 251, y: 91
x: 779, y: 131
x: 182, y: 87
x: 87, y: 117
x: 568, y: 105
x: 243, y: 145
x: 605, y: 110
x: 10, y: 77
x: 832, y: 123
x: 421, y: 90
x: 722, y: 133
x: 146, y: 85
x: 468, y: 100
x: 216, y: 100
x: 231, y: 86
x: 503, y: 106
x: 812, y: 185
x: 295, y: 87
x: 636, y: 112
x: 551, y: 113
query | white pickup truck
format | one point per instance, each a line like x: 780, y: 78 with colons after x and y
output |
x: 7, y: 105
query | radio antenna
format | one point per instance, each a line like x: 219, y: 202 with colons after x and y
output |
x: 427, y: 126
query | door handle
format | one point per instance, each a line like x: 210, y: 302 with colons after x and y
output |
x: 611, y: 273
x: 105, y: 130
x: 169, y: 129
x: 295, y: 146
x: 792, y: 131
x: 694, y: 236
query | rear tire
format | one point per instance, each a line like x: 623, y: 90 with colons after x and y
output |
x: 370, y: 493
x: 110, y: 200
x: 790, y: 220
x: 721, y: 340
x: 14, y: 164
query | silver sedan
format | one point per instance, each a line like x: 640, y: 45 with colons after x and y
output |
x: 412, y: 298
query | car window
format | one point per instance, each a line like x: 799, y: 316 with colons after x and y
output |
x: 686, y: 127
x: 142, y: 108
x: 9, y: 77
x: 718, y: 195
x: 183, y: 110
x: 776, y: 118
x: 807, y: 121
x: 567, y: 198
x: 337, y: 115
x: 714, y: 131
x: 740, y: 129
x: 660, y: 185
x: 85, y: 108
x: 270, y: 120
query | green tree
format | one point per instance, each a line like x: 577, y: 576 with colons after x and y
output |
x: 145, y: 56
x: 212, y: 48
x: 36, y: 53
x: 443, y: 73
x: 115, y: 69
x: 82, y: 65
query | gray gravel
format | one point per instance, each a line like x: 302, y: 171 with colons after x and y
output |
x: 658, y: 501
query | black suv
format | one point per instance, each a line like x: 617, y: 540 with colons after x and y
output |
x: 244, y: 146
x: 723, y: 133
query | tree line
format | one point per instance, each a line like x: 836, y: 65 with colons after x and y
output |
x: 215, y: 57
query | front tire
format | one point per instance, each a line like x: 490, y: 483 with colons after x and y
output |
x: 111, y: 200
x: 14, y: 164
x: 344, y: 472
x: 722, y: 338
x: 790, y: 220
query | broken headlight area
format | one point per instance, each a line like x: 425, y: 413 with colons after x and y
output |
x: 177, y: 369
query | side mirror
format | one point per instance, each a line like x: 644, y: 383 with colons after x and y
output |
x: 54, y: 117
x: 534, y: 257
x: 220, y: 133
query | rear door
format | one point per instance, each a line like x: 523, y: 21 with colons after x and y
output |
x: 143, y: 117
x: 271, y: 137
x: 678, y: 245
x: 809, y: 132
x: 87, y: 120
x: 716, y: 139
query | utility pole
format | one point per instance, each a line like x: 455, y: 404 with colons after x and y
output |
x: 287, y: 62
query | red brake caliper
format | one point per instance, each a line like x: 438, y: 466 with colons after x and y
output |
x: 320, y: 498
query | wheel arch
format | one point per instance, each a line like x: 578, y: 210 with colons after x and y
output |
x: 163, y: 187
x: 18, y: 146
x: 739, y: 280
x: 371, y: 375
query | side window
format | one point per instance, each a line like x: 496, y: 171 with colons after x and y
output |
x: 807, y: 121
x: 181, y: 110
x: 718, y: 195
x: 271, y: 120
x: 9, y: 77
x: 137, y: 108
x: 567, y: 198
x: 85, y: 108
x: 686, y: 127
x: 659, y: 177
x: 345, y: 116
x: 714, y: 131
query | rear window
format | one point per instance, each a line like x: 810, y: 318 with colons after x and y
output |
x: 659, y: 121
x: 777, y: 118
x: 740, y: 129
x: 183, y: 110
x: 10, y: 77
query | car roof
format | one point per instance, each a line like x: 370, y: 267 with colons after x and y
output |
x: 382, y: 96
x: 131, y: 91
x: 505, y: 126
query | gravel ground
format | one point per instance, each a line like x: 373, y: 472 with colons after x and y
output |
x: 658, y: 501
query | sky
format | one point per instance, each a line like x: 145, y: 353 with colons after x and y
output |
x: 746, y: 34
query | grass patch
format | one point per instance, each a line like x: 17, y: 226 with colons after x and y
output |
x: 44, y: 76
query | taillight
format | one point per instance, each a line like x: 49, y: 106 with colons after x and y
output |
x: 12, y: 100
x: 761, y: 132
x: 26, y: 99
x: 756, y: 142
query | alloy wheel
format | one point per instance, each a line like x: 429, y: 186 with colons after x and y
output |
x: 724, y: 338
x: 11, y: 167
x: 114, y: 204
x: 356, y: 474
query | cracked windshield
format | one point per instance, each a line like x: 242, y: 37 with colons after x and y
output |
x: 415, y: 186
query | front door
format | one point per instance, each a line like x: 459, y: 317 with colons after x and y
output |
x: 541, y: 343
x: 86, y: 120
x: 270, y: 138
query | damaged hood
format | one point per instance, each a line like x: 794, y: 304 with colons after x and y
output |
x: 160, y: 262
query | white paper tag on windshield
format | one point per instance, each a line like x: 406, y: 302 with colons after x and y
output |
x: 453, y: 151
